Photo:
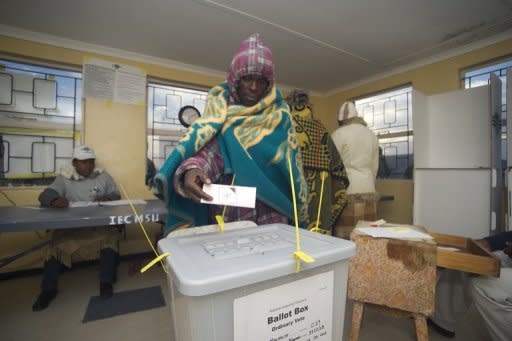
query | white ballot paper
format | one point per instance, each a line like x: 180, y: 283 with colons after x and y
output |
x: 106, y: 203
x: 394, y: 232
x: 240, y: 196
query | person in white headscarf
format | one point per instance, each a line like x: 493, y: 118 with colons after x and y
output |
x: 359, y: 150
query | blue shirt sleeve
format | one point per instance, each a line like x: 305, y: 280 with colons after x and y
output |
x: 497, y: 241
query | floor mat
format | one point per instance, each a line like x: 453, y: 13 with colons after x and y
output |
x: 123, y: 303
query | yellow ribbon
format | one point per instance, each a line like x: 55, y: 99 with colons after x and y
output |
x: 158, y: 257
x: 220, y: 219
x: 154, y: 261
x: 298, y: 254
x: 323, y: 176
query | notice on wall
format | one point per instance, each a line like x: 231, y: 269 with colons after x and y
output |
x: 116, y: 82
x: 300, y: 310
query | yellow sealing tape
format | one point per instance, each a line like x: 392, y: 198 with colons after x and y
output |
x: 304, y: 257
x: 220, y: 219
x: 298, y: 254
x: 154, y: 261
x: 158, y: 257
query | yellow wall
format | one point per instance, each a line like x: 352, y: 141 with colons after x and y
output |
x: 118, y: 135
x: 435, y: 78
x: 117, y: 132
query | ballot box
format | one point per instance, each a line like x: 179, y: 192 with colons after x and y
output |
x: 242, y: 284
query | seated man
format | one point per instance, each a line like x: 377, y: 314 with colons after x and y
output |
x: 81, y: 181
x: 492, y: 296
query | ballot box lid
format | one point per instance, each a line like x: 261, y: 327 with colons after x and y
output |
x: 208, y: 263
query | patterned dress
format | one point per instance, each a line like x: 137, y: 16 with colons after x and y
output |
x: 319, y: 155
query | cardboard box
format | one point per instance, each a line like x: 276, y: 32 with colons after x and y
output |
x: 471, y: 257
x: 357, y: 211
x: 393, y: 273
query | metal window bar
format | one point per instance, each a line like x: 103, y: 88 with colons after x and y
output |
x: 45, y: 111
x: 500, y: 71
x: 4, y: 74
x: 76, y: 103
x: 387, y: 126
x: 168, y: 122
x: 5, y: 156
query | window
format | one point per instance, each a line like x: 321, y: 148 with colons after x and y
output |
x: 164, y: 127
x: 40, y: 120
x: 481, y: 76
x: 389, y: 115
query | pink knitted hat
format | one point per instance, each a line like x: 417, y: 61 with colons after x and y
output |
x: 253, y: 57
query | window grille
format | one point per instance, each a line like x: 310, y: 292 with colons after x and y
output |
x: 40, y: 121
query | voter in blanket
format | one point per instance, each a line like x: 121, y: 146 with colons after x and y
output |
x: 80, y: 181
x: 246, y: 138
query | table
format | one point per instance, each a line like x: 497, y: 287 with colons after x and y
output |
x: 395, y: 276
x: 28, y: 218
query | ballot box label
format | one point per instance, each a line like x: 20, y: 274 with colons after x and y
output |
x: 299, y: 310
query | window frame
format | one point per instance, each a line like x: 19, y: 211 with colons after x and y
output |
x: 152, y: 131
x: 386, y: 139
x: 43, y: 128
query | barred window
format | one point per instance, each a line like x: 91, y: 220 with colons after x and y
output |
x: 164, y: 126
x: 389, y: 115
x: 40, y: 121
x: 479, y: 76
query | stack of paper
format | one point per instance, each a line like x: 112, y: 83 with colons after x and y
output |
x: 106, y: 203
x: 394, y: 232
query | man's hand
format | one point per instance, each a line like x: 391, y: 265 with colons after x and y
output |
x: 508, y: 249
x: 99, y: 199
x: 60, y: 202
x: 193, y: 181
x: 483, y: 243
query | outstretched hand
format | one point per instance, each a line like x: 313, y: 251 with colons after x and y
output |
x: 508, y: 249
x: 100, y: 199
x: 60, y: 202
x: 193, y: 181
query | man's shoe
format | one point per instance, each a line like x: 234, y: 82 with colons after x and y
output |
x: 440, y: 330
x: 44, y: 299
x: 106, y: 291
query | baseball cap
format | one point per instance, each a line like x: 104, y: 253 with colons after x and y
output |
x: 83, y: 153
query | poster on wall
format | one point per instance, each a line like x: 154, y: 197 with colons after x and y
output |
x: 116, y: 82
x: 299, y: 310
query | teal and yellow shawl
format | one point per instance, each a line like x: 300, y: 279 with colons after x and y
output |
x: 254, y: 142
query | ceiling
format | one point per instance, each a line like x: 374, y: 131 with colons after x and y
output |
x: 319, y: 45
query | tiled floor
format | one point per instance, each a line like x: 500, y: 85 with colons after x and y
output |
x: 63, y: 319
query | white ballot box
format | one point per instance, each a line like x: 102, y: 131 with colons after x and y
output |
x: 242, y: 284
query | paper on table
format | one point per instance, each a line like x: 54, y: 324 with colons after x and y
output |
x: 240, y: 196
x: 106, y: 203
x: 122, y: 202
x: 82, y: 203
x: 394, y: 232
x: 448, y: 248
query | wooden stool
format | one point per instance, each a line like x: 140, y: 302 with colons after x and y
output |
x: 395, y: 276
